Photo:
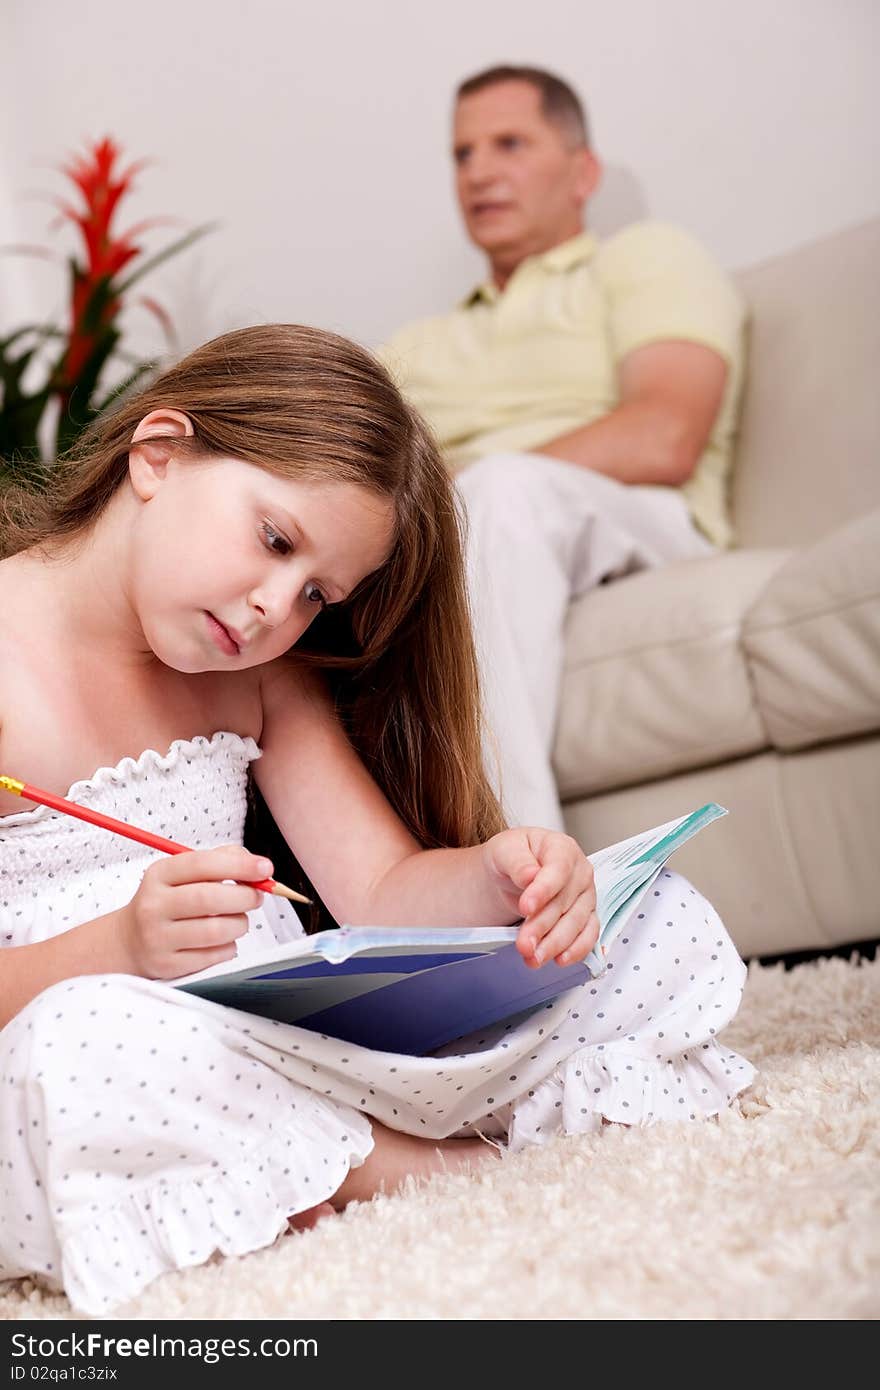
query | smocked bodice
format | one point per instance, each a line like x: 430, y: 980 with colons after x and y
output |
x: 57, y: 871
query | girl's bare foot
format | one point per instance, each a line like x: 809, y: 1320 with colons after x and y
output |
x: 305, y: 1220
x: 396, y: 1156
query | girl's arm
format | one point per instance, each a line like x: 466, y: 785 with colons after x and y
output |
x: 361, y: 858
x: 25, y: 971
x: 367, y: 867
x: 186, y: 914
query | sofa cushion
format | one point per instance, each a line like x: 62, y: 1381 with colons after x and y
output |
x: 655, y: 680
x: 806, y: 457
x: 812, y: 639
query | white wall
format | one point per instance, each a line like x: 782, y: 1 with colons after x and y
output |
x: 318, y: 136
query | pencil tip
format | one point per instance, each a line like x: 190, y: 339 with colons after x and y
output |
x: 282, y: 891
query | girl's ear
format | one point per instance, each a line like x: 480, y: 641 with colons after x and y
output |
x: 148, y: 461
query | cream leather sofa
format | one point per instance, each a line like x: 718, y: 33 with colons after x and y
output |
x: 752, y: 678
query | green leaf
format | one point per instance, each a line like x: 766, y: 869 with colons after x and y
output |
x: 21, y: 413
x: 126, y: 385
x: 19, y: 446
x: 44, y: 330
x: 12, y: 369
x: 78, y: 411
x: 94, y: 316
x: 172, y: 250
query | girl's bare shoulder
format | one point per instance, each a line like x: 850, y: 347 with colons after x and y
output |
x: 290, y: 691
x: 21, y: 629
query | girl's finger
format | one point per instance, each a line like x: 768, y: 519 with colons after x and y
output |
x: 207, y: 933
x: 522, y: 873
x: 581, y: 947
x: 213, y: 865
x: 550, y: 880
x: 211, y: 900
x: 535, y: 933
x: 565, y: 931
x: 188, y: 962
x: 565, y: 864
x: 536, y: 927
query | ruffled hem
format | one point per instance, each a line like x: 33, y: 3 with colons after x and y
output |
x: 135, y: 767
x: 616, y: 1082
x: 174, y: 1225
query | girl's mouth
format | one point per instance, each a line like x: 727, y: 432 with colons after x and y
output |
x: 220, y: 636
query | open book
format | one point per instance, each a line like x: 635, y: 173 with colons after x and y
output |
x: 412, y: 989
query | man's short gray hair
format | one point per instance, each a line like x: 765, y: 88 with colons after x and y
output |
x: 559, y: 104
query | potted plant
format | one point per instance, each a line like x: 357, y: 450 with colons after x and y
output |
x: 75, y: 358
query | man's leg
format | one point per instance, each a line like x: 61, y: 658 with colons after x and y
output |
x: 539, y: 533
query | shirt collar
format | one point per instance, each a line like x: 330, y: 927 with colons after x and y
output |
x: 566, y: 256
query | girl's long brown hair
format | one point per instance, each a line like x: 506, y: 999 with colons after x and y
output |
x: 399, y: 655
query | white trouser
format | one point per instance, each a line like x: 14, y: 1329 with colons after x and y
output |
x: 541, y: 532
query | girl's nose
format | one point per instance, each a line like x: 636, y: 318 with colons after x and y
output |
x: 272, y: 602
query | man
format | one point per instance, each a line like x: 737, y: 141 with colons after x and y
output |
x: 585, y: 396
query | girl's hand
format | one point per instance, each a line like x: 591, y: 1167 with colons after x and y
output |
x: 184, y: 917
x: 546, y: 877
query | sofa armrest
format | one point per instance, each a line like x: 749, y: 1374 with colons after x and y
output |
x: 812, y: 640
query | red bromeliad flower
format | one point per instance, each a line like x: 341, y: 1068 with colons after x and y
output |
x: 94, y: 178
x: 100, y: 281
x: 94, y: 307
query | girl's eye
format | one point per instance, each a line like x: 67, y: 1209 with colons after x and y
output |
x: 280, y: 545
x: 274, y: 541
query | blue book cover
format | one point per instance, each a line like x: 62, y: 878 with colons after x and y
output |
x: 402, y: 1003
x: 413, y: 989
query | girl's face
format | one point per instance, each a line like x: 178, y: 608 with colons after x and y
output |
x: 230, y: 563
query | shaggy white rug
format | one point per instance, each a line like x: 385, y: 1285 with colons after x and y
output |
x: 773, y: 1211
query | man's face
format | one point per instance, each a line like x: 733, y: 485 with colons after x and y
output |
x: 521, y: 186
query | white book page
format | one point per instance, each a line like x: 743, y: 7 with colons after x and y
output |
x: 618, y: 878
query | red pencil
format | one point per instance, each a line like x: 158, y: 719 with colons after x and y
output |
x: 132, y: 832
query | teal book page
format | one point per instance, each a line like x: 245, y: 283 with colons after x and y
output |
x: 625, y: 871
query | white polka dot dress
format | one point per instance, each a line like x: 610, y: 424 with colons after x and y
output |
x: 142, y: 1129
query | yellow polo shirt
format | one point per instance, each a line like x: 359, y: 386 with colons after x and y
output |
x: 512, y: 369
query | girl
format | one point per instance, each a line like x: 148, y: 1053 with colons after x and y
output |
x: 255, y: 566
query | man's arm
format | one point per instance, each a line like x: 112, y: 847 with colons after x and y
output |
x: 670, y: 394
